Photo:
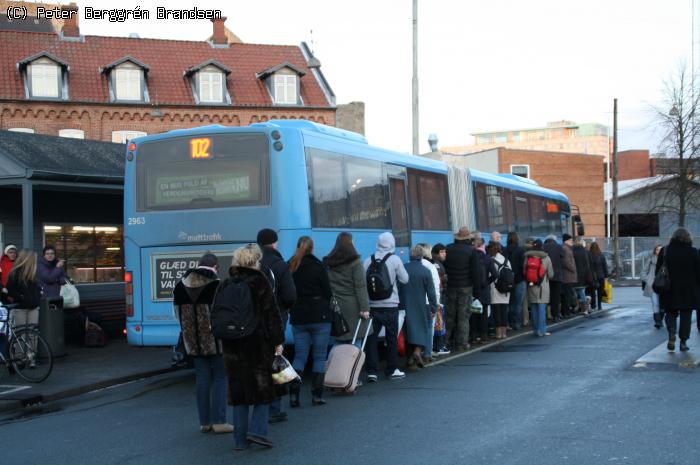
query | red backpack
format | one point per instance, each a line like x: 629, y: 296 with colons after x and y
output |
x: 534, y: 271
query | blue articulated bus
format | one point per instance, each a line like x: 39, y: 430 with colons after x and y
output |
x: 210, y: 189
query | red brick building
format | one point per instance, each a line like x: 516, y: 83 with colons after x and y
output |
x: 116, y: 88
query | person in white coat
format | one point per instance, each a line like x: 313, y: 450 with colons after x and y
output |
x: 427, y: 261
x: 499, y: 300
x: 648, y: 275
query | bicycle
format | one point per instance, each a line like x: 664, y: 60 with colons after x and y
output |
x: 27, y: 351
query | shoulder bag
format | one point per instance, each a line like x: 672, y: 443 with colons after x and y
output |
x: 339, y: 325
x: 662, y: 280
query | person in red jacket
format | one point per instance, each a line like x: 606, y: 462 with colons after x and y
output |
x: 6, y: 263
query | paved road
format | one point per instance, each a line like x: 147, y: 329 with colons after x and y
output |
x: 572, y: 398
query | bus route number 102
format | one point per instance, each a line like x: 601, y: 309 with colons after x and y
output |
x: 136, y: 220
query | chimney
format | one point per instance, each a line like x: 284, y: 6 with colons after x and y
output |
x: 219, y: 36
x: 70, y: 25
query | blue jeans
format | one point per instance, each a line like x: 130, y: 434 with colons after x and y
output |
x: 580, y: 293
x: 515, y: 310
x: 538, y: 313
x: 257, y: 425
x: 211, y: 389
x: 316, y: 334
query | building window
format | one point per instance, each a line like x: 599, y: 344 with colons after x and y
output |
x: 27, y: 130
x: 501, y: 138
x: 45, y: 79
x: 515, y: 137
x: 127, y: 83
x: 92, y: 254
x: 285, y: 88
x: 122, y: 137
x: 483, y: 140
x: 520, y: 170
x: 72, y: 133
x: 211, y: 88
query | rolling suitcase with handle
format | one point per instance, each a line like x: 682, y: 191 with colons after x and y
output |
x: 345, y: 363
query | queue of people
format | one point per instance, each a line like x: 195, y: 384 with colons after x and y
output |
x: 437, y: 288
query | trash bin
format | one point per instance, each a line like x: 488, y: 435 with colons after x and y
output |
x: 51, y: 324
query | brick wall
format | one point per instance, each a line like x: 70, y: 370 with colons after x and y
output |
x: 576, y: 175
x: 633, y: 164
x: 98, y: 121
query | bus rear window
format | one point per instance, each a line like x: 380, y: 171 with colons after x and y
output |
x: 212, y: 171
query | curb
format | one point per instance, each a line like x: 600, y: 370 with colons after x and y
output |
x: 38, y: 398
x: 520, y: 334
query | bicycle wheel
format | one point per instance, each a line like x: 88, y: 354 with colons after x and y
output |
x: 30, y: 355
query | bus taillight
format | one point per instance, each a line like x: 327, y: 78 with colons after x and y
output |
x: 129, y: 291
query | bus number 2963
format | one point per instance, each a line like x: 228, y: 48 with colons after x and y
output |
x: 136, y: 220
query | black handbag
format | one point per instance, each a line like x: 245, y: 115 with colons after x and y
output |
x: 339, y: 325
x: 662, y: 280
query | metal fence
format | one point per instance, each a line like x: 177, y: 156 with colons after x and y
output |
x: 634, y: 253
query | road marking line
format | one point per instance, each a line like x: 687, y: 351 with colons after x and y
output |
x: 12, y: 389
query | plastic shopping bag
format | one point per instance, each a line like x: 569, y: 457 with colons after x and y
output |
x: 282, y: 371
x: 71, y: 297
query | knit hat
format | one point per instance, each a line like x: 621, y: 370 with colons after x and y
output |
x: 10, y: 247
x: 565, y: 237
x: 537, y: 244
x: 266, y: 237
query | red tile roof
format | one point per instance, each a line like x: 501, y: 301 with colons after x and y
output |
x: 167, y: 60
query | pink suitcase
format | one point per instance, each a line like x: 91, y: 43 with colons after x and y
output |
x: 345, y: 363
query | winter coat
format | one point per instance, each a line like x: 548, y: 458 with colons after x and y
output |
x: 584, y: 272
x: 385, y: 245
x: 313, y: 293
x: 648, y: 275
x: 50, y: 277
x: 539, y: 294
x: 418, y: 314
x: 568, y: 265
x: 27, y: 295
x: 461, y: 265
x: 192, y: 300
x: 489, y: 275
x: 556, y: 254
x: 497, y: 297
x: 5, y: 268
x: 683, y: 264
x: 248, y: 360
x: 349, y: 288
x: 281, y: 279
x: 600, y: 266
x: 516, y: 256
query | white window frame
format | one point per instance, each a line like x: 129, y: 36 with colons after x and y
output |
x: 72, y: 133
x: 45, y: 79
x: 123, y: 137
x: 527, y: 168
x: 25, y: 130
x: 285, y: 88
x: 130, y: 80
x: 210, y: 86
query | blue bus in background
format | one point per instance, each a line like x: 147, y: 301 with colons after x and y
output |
x: 210, y: 189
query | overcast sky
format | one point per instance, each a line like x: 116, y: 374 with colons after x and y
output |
x: 483, y: 65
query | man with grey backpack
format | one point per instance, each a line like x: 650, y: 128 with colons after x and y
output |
x: 382, y: 270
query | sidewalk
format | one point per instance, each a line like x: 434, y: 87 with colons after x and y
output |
x: 87, y: 369
x: 83, y: 370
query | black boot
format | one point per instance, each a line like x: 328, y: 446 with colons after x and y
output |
x: 657, y: 320
x: 294, y: 389
x: 317, y: 389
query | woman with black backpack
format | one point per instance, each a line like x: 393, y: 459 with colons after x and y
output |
x: 500, y: 300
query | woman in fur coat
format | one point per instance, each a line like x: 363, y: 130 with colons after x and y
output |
x: 248, y: 360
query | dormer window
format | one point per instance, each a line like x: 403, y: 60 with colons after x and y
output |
x: 283, y: 83
x: 45, y: 77
x: 208, y: 81
x: 285, y: 88
x: 127, y: 80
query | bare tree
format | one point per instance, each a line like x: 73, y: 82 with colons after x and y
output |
x: 678, y: 118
